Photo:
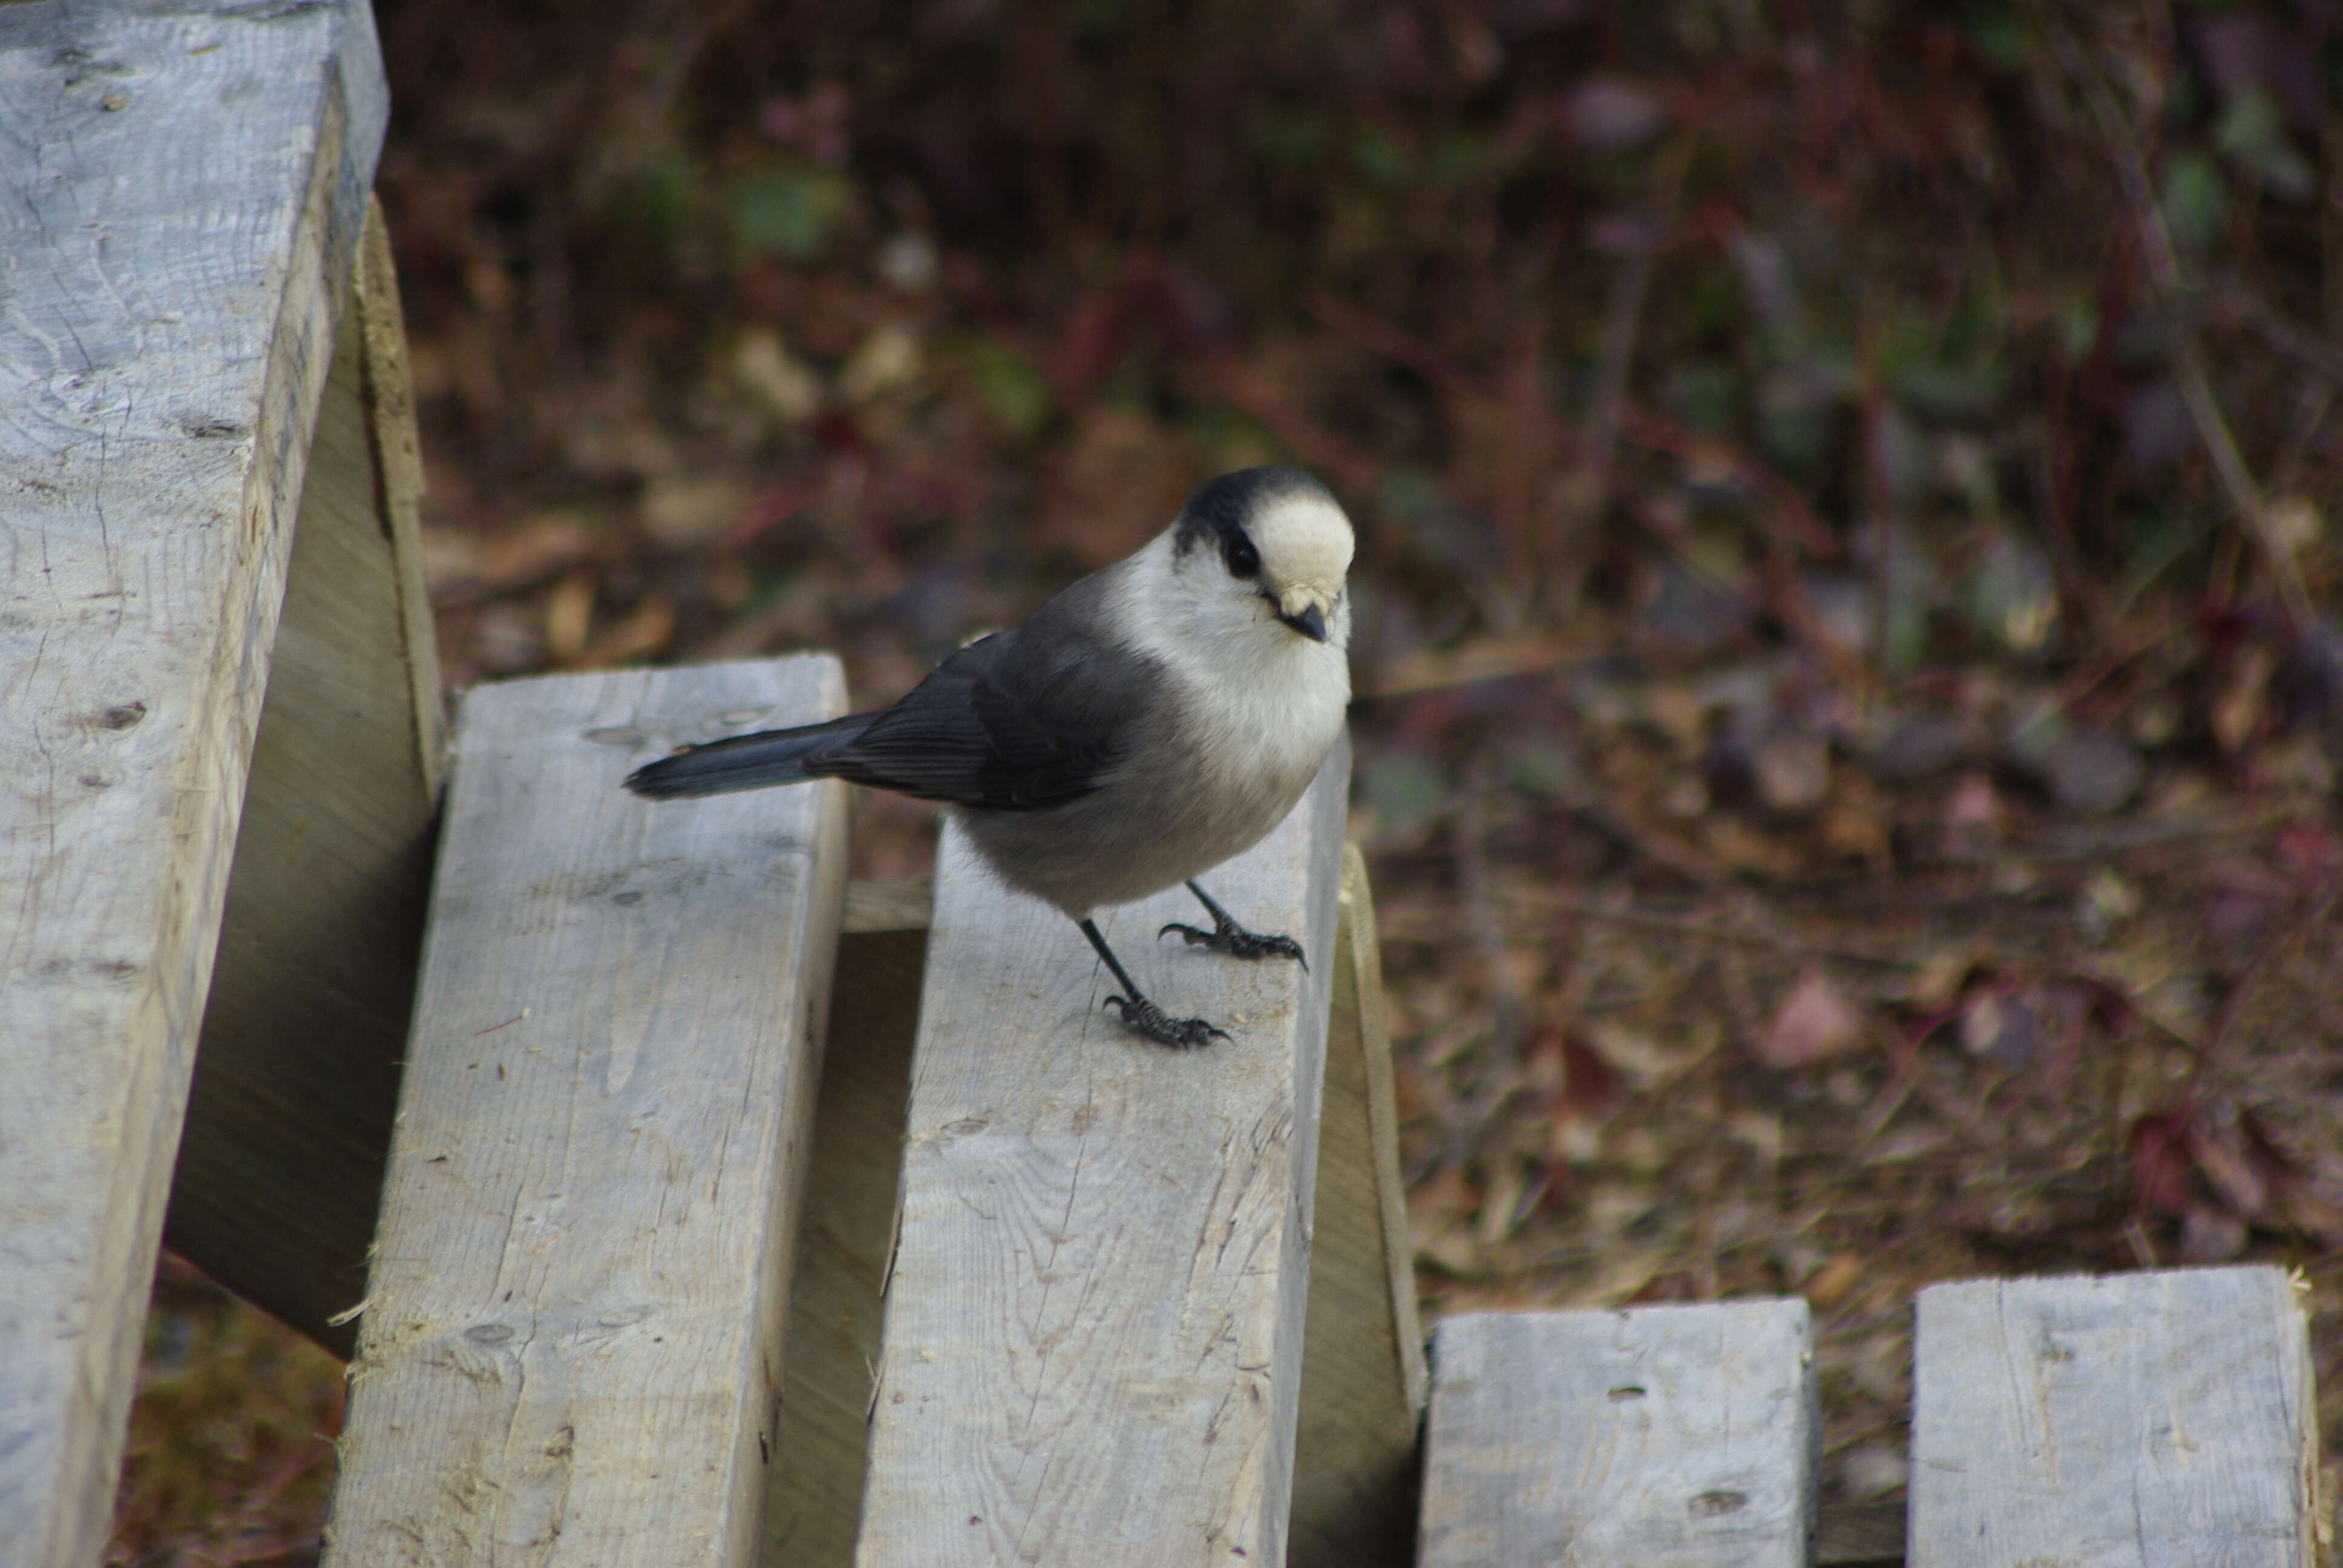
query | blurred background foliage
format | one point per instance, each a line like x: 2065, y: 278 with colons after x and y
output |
x: 1849, y: 688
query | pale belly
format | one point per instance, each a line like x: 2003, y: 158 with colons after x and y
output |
x: 1172, y: 815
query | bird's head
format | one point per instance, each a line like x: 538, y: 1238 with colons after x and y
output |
x: 1271, y: 543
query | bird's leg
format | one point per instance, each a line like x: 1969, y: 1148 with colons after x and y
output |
x: 1228, y: 937
x: 1138, y: 1013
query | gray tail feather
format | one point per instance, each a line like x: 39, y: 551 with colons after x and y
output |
x: 739, y: 762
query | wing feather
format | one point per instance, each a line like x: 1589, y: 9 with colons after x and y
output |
x: 1011, y: 722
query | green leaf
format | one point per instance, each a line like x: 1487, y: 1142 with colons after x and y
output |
x: 1379, y: 157
x: 1706, y: 395
x: 1713, y: 302
x: 650, y: 205
x: 1913, y: 588
x: 1952, y: 394
x: 2251, y: 134
x: 2195, y: 200
x: 2078, y: 328
x: 2001, y: 38
x: 2012, y: 596
x: 1097, y: 20
x: 2158, y: 542
x: 1012, y: 391
x: 789, y: 211
x: 1456, y: 157
x: 1543, y: 768
x: 1406, y: 793
x: 1289, y: 137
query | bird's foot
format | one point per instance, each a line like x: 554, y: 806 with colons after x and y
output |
x: 1143, y: 1017
x: 1228, y: 937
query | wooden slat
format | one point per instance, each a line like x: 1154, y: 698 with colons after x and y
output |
x: 890, y: 904
x: 2161, y: 1418
x: 573, y: 1345
x: 1683, y: 1436
x: 397, y: 452
x: 288, y: 1118
x: 1859, y: 1535
x: 184, y: 191
x: 1363, y: 1371
x: 822, y: 1446
x: 1092, y: 1336
x: 1363, y: 1385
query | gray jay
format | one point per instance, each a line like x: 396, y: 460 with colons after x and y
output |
x: 1145, y: 725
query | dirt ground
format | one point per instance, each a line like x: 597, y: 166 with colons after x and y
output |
x: 1850, y: 691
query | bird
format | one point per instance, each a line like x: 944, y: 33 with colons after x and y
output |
x: 1146, y: 723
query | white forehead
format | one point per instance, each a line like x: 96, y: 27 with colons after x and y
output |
x: 1302, y: 539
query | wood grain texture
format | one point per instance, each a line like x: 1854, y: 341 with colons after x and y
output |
x: 280, y: 1168
x: 185, y: 188
x: 1093, y: 1327
x: 822, y: 1445
x: 573, y: 1345
x: 1363, y: 1380
x: 397, y: 452
x: 890, y: 904
x: 1667, y: 1437
x: 1859, y: 1535
x: 1362, y: 1373
x: 2146, y: 1419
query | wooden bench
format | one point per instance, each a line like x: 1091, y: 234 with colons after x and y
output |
x: 199, y: 341
x: 1051, y: 1301
x: 2145, y: 1418
x: 221, y: 826
x: 679, y: 1201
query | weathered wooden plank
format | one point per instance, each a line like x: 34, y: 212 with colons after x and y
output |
x: 890, y: 904
x: 1363, y: 1371
x: 184, y: 191
x: 1092, y: 1336
x: 288, y: 1117
x: 572, y: 1347
x: 397, y: 452
x: 821, y: 1446
x: 2146, y: 1419
x: 1859, y: 1535
x: 1364, y: 1382
x: 1668, y: 1437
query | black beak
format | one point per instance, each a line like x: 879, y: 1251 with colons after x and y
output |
x: 1309, y: 623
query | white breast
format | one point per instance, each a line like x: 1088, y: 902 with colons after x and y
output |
x: 1261, y: 704
x: 1251, y: 709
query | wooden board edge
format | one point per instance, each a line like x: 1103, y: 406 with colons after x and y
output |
x: 729, y: 1533
x: 99, y: 1333
x: 398, y: 469
x: 1859, y: 1535
x: 825, y: 908
x: 889, y: 904
x: 1938, y: 1527
x: 1364, y: 975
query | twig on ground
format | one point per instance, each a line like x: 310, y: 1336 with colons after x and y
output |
x: 2236, y: 480
x: 1712, y: 930
x: 1492, y: 659
x: 2305, y: 348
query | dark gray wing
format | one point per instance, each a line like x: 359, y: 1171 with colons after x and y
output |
x: 1019, y: 721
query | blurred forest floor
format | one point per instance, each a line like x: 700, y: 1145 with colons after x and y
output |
x: 1850, y: 698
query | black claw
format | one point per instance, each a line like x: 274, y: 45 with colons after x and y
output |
x: 1230, y: 938
x: 1143, y: 1017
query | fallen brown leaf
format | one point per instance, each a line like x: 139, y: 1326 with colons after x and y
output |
x: 1814, y: 1023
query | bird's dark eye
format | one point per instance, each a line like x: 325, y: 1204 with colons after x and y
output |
x: 1244, y: 560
